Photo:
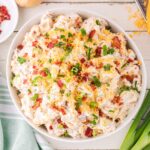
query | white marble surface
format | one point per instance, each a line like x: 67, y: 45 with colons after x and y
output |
x: 117, y: 10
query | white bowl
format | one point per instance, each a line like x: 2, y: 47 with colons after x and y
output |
x: 9, y: 26
x: 19, y: 37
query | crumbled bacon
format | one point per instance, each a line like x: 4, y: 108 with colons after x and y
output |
x: 117, y: 100
x: 43, y: 73
x: 25, y: 81
x: 89, y: 132
x: 50, y: 45
x: 98, y: 51
x: 25, y: 55
x: 34, y: 43
x: 82, y: 60
x: 62, y: 123
x: 85, y: 77
x: 116, y: 42
x: 93, y: 87
x: 51, y: 127
x: 58, y: 62
x: 60, y: 83
x: 101, y: 114
x: 99, y: 66
x: 117, y: 63
x: 37, y: 104
x: 130, y: 78
x: 20, y: 47
x: 130, y: 60
x: 91, y: 34
x: 84, y: 98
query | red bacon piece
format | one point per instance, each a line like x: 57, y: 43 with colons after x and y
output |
x: 91, y: 34
x: 116, y: 42
x: 89, y: 132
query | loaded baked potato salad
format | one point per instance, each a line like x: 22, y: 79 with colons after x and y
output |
x: 75, y: 76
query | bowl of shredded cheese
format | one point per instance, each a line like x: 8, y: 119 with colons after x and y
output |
x: 75, y: 75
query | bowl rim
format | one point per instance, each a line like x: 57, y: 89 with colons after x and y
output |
x: 129, y: 40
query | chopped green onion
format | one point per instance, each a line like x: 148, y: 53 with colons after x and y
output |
x: 83, y: 32
x: 88, y: 53
x: 97, y: 22
x: 62, y: 37
x: 35, y: 97
x: 107, y: 51
x: 78, y: 103
x: 21, y: 60
x: 50, y: 60
x: 35, y: 80
x: 76, y: 69
x: 93, y: 104
x: 60, y: 44
x: 96, y: 81
x: 107, y: 67
x: 70, y: 34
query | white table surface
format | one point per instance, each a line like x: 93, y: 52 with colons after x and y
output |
x: 117, y: 10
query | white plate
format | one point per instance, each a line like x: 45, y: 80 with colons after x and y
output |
x: 9, y: 26
x: 85, y: 14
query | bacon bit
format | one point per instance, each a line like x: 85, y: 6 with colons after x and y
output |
x: 98, y: 51
x: 117, y: 120
x: 117, y: 63
x: 37, y: 104
x: 60, y: 83
x: 33, y: 55
x: 50, y: 45
x: 25, y: 81
x: 34, y: 67
x: 89, y: 132
x: 101, y: 114
x: 35, y: 43
x: 35, y: 72
x: 20, y: 47
x: 82, y: 60
x: 88, y: 64
x: 117, y: 100
x: 100, y: 66
x: 63, y: 111
x: 116, y: 42
x: 25, y: 55
x: 58, y: 62
x: 59, y: 121
x: 85, y: 76
x: 79, y: 111
x: 62, y: 123
x: 43, y: 73
x: 130, y: 60
x: 130, y: 78
x: 91, y: 34
x: 84, y: 98
x: 93, y: 87
x: 51, y: 127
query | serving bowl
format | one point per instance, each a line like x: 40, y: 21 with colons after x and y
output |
x: 85, y: 14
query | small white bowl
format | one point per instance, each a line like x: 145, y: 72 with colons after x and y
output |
x: 19, y: 37
x: 9, y: 26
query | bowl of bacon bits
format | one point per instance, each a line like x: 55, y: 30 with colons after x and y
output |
x: 75, y: 75
x: 8, y: 18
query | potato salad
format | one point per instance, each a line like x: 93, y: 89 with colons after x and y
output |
x: 75, y: 76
